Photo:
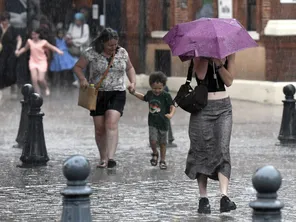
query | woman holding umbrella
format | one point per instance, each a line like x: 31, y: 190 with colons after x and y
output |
x: 210, y: 131
x: 211, y: 44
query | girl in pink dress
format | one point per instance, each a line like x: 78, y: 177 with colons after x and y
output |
x: 38, y: 61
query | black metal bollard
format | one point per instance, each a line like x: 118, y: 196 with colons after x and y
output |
x: 27, y: 90
x: 287, y: 133
x: 76, y: 201
x: 267, y: 181
x: 34, y: 151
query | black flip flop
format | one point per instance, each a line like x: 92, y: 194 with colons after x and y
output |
x: 111, y: 163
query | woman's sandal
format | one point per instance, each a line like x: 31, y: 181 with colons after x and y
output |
x: 102, y: 164
x: 162, y: 165
x: 154, y: 159
x: 111, y: 163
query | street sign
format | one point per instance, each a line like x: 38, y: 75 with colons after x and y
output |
x: 225, y: 9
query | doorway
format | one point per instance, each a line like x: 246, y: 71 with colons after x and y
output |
x: 163, y: 61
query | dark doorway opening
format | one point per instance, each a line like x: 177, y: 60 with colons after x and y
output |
x: 163, y: 61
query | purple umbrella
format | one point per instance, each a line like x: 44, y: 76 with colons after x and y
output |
x: 208, y: 37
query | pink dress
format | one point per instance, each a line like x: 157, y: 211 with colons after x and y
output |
x: 38, y: 59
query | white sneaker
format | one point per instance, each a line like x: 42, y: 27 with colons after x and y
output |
x: 75, y: 83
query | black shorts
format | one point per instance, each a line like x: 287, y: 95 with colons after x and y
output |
x: 109, y: 100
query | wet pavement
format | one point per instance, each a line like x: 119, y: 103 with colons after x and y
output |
x: 136, y: 191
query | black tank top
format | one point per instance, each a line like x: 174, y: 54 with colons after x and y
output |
x: 215, y: 85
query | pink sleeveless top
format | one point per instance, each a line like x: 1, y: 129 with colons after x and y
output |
x: 38, y: 57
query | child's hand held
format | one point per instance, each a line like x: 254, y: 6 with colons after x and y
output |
x: 131, y: 90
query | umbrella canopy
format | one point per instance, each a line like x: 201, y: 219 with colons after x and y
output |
x: 208, y: 37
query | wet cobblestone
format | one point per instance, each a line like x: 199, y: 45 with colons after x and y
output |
x: 136, y: 191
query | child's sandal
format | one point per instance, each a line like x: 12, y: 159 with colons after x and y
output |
x: 154, y: 159
x: 162, y: 165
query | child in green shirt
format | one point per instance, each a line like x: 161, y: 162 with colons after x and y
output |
x: 161, y: 110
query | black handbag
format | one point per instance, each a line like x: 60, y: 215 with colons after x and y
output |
x: 189, y: 99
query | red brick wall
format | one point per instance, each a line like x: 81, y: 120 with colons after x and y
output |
x: 132, y: 30
x: 154, y: 15
x: 282, y: 11
x: 181, y: 14
x: 280, y: 58
x: 81, y: 3
x: 265, y: 13
x: 240, y: 11
x: 193, y: 7
x: 2, y: 5
x: 280, y: 51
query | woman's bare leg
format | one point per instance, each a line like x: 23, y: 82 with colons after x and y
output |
x: 111, y: 126
x: 223, y: 183
x: 202, y: 182
x: 100, y: 136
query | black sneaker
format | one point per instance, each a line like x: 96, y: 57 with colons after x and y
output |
x: 226, y: 204
x: 204, y: 206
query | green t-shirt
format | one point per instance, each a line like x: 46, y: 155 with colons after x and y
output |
x: 158, y: 107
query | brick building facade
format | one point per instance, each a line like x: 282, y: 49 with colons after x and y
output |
x: 273, y: 60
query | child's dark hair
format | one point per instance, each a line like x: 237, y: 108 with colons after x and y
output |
x: 60, y: 31
x: 39, y: 31
x: 157, y: 77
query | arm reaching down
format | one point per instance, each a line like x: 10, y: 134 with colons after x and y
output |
x: 22, y: 50
x: 131, y: 75
x: 172, y: 112
x: 80, y: 65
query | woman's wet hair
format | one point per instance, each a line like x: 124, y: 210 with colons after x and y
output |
x: 4, y: 16
x: 157, y: 77
x: 106, y: 35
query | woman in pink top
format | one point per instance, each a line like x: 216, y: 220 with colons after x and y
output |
x: 38, y: 60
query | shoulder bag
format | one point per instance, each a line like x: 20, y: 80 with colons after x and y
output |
x: 189, y: 99
x: 88, y: 96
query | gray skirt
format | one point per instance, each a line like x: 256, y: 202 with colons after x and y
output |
x: 209, y: 133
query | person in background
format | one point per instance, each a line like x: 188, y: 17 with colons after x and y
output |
x: 9, y: 42
x: 38, y: 60
x: 61, y: 64
x: 77, y: 38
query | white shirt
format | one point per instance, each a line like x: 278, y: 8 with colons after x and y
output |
x: 79, y: 34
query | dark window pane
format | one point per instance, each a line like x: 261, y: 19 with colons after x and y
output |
x: 251, y: 9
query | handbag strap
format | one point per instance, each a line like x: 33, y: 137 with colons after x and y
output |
x: 189, y: 76
x: 105, y: 73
